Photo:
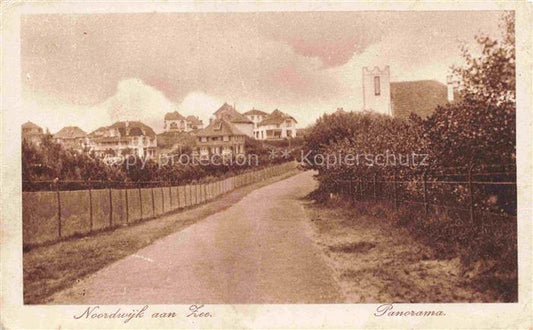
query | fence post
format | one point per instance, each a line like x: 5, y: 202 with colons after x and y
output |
x: 58, y: 210
x: 127, y: 206
x: 394, y: 192
x: 90, y: 207
x: 153, y: 201
x: 374, y: 185
x: 424, y: 178
x: 471, y: 192
x: 170, y: 195
x: 141, y: 202
x: 110, y: 208
x: 162, y: 200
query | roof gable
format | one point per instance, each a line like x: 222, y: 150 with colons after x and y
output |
x: 29, y: 124
x: 228, y: 113
x: 174, y: 116
x: 125, y: 128
x: 255, y: 112
x: 220, y: 127
x: 275, y: 118
x: 70, y: 132
x: 194, y: 120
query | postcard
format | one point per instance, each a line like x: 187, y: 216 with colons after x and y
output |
x: 266, y: 165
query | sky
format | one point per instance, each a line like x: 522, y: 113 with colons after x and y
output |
x: 90, y: 70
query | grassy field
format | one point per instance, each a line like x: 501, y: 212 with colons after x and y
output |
x: 48, y: 269
x: 375, y: 261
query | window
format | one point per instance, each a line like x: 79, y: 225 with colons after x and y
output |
x: 377, y: 87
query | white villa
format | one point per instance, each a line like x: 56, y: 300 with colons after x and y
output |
x: 123, y: 138
x: 175, y: 122
x: 276, y: 126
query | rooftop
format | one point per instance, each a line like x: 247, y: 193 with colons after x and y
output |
x: 194, y: 120
x: 29, y: 124
x: 125, y: 128
x: 419, y: 97
x: 276, y: 117
x: 255, y: 112
x: 229, y: 113
x: 220, y: 127
x: 174, y: 116
x: 70, y: 132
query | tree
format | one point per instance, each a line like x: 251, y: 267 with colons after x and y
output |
x: 480, y: 129
x: 490, y: 78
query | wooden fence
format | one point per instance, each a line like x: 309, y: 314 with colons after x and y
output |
x: 53, y: 215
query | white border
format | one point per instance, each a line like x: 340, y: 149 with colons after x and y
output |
x: 15, y: 315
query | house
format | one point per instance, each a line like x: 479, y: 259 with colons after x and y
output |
x: 275, y: 126
x: 400, y: 99
x: 124, y: 138
x: 71, y: 137
x: 220, y: 137
x: 194, y: 123
x: 175, y: 122
x: 241, y: 122
x: 256, y: 116
x: 31, y: 133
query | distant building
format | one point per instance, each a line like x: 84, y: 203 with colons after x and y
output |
x: 31, y: 133
x: 242, y: 123
x: 376, y: 90
x: 256, y: 116
x: 71, y: 137
x: 276, y: 126
x: 175, y: 122
x: 194, y: 123
x: 220, y: 137
x: 420, y: 97
x: 124, y: 138
x: 400, y: 99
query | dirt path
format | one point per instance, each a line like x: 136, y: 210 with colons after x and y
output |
x: 256, y: 251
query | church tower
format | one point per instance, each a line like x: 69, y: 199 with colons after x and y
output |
x: 376, y: 90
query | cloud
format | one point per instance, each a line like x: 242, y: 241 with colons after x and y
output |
x: 199, y: 104
x: 134, y: 100
x: 331, y: 37
x: 144, y: 64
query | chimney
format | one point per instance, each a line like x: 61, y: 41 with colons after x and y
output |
x: 449, y: 83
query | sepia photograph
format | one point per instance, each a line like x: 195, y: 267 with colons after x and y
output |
x: 205, y: 158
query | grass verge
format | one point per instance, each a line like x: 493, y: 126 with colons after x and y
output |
x: 49, y: 269
x: 377, y: 258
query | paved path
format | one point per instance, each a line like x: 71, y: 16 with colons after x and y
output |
x: 256, y: 251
